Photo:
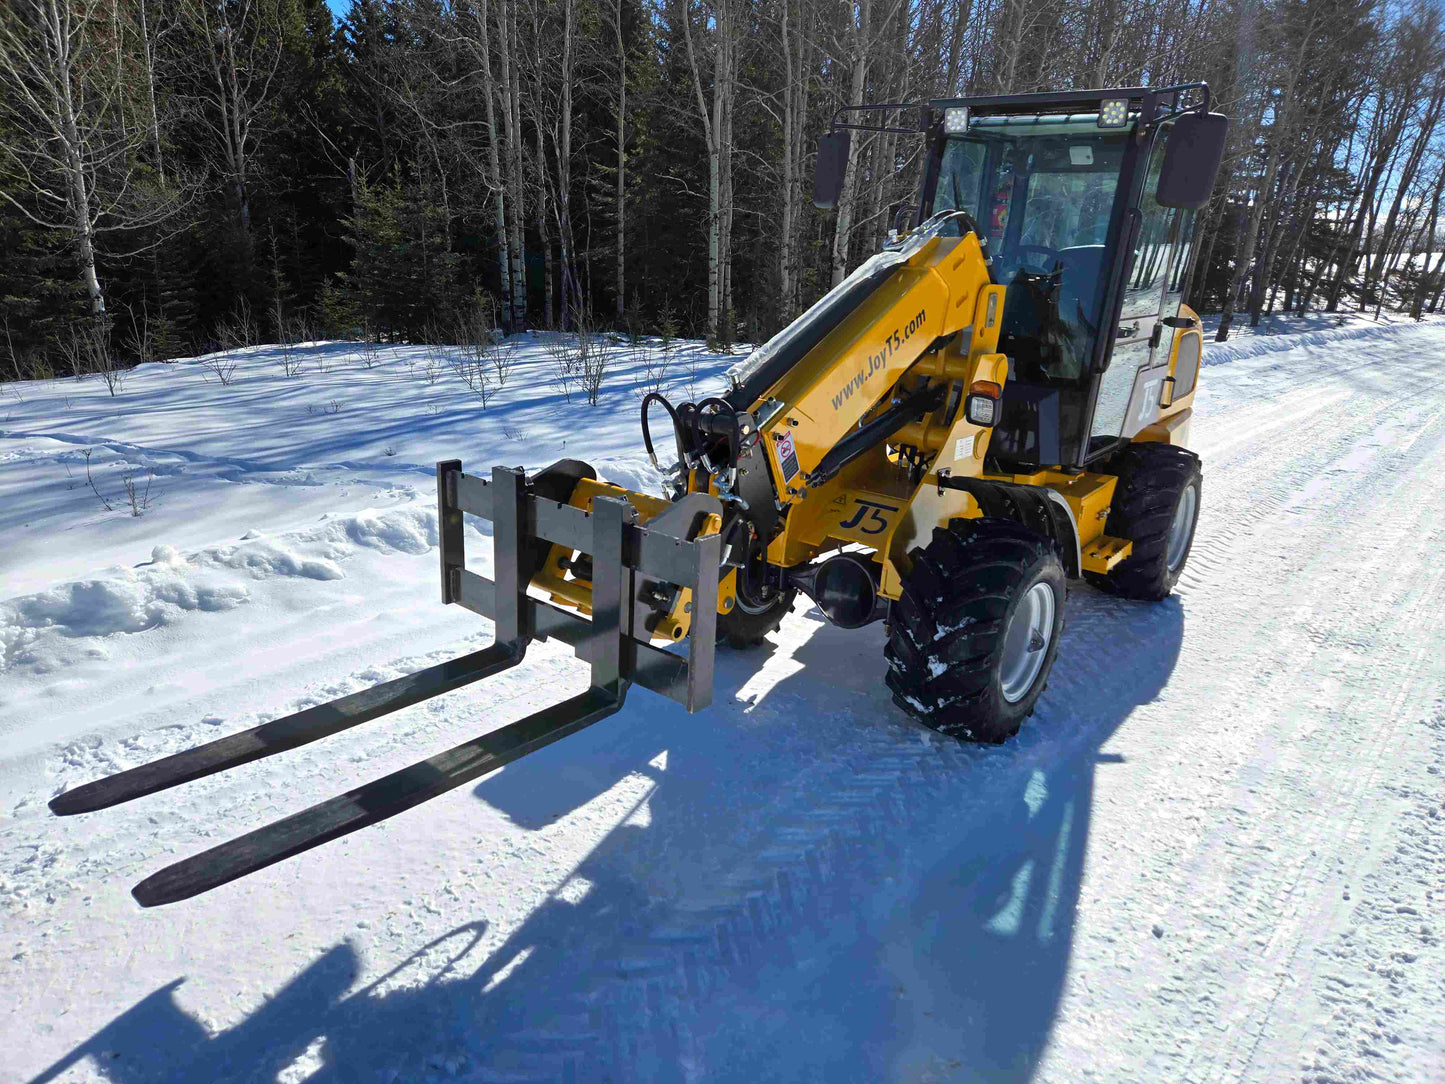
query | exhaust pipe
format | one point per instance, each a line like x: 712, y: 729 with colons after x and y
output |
x: 844, y: 587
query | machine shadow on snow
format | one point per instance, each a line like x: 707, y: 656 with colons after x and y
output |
x: 950, y: 964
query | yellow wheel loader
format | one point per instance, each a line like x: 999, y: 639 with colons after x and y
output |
x: 995, y: 403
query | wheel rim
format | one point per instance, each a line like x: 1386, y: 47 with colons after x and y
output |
x: 1026, y: 643
x: 1182, y: 529
x: 749, y: 608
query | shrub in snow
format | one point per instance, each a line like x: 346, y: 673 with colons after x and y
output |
x: 239, y: 331
x: 86, y: 349
x: 579, y: 357
x: 140, y: 342
x: 651, y: 365
x: 370, y: 350
x: 434, y: 359
x: 222, y: 366
x: 136, y: 495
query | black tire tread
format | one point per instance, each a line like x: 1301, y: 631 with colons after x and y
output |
x: 1151, y: 477
x: 741, y: 630
x: 955, y: 596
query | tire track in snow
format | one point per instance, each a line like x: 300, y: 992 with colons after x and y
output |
x: 1300, y: 465
x: 1393, y: 699
x: 1269, y: 885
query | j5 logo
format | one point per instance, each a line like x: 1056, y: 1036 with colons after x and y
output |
x: 876, y: 523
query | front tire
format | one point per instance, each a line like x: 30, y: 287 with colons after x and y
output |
x: 742, y: 628
x: 976, y: 629
x: 1156, y: 506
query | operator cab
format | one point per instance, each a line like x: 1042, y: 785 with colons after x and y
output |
x: 1043, y: 192
x: 1054, y: 192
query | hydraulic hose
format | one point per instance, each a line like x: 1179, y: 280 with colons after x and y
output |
x: 734, y: 437
x: 647, y: 401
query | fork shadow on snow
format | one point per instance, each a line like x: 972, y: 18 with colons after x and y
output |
x: 929, y: 941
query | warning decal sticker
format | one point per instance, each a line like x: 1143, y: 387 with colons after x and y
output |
x: 787, y: 457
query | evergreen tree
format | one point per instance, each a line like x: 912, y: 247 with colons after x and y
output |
x: 404, y: 278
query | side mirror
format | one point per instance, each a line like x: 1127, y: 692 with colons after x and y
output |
x: 832, y: 164
x: 1191, y: 160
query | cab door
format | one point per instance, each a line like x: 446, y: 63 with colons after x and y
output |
x: 1129, y: 391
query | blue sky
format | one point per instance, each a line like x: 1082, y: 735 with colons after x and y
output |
x: 338, y: 7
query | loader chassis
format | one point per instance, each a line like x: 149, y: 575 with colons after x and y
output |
x: 995, y: 403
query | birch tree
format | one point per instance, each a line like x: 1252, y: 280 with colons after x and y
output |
x: 79, y: 169
x: 235, y: 48
x: 859, y: 30
x: 477, y: 34
x: 717, y: 131
x: 510, y: 102
x: 620, y: 204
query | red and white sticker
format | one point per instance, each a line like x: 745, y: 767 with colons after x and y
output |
x: 787, y: 457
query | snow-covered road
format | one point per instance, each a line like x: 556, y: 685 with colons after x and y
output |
x: 1214, y: 854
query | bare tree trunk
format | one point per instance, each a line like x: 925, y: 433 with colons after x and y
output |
x: 860, y: 29
x: 1389, y: 125
x: 792, y: 76
x: 40, y: 54
x: 713, y: 133
x: 228, y: 78
x: 797, y: 50
x: 1293, y: 264
x: 1277, y: 230
x: 726, y: 329
x: 1431, y: 230
x: 495, y: 181
x: 544, y: 238
x: 1244, y: 255
x: 512, y: 131
x: 80, y: 197
x: 958, y: 28
x: 1407, y: 178
x: 562, y: 140
x: 241, y: 46
x: 621, y: 239
x: 150, y: 68
x: 1437, y: 281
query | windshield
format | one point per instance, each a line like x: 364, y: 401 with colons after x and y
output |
x: 1042, y: 189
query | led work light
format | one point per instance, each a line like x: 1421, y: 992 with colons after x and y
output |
x: 955, y: 120
x: 1113, y: 112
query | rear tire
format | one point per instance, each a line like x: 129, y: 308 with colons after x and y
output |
x: 1156, y: 506
x: 974, y: 634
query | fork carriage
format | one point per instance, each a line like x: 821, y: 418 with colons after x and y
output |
x: 635, y: 575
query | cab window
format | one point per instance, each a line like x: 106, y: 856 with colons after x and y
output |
x: 1043, y: 192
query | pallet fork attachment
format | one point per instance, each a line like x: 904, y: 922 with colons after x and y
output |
x: 526, y: 520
